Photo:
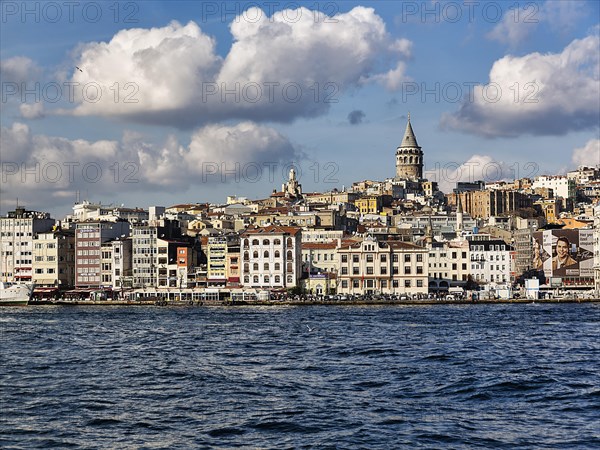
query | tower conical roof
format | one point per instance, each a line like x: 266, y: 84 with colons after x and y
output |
x: 409, y: 139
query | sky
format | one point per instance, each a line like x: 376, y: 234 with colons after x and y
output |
x: 159, y: 103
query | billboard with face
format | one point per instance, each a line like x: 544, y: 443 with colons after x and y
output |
x: 564, y: 253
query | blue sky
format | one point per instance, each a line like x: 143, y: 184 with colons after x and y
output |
x: 190, y: 102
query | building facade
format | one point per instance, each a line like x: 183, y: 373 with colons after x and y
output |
x: 17, y: 231
x: 387, y: 267
x: 54, y: 259
x: 271, y: 257
x: 89, y: 238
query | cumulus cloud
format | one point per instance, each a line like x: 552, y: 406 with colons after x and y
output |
x: 18, y: 69
x: 356, y: 117
x: 276, y: 69
x: 515, y: 26
x: 46, y: 171
x: 538, y: 94
x: 477, y: 167
x: 518, y: 23
x: 32, y: 110
x: 588, y: 155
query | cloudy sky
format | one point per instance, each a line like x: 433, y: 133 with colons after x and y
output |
x: 157, y: 103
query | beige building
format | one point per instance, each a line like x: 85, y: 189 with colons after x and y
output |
x: 449, y: 264
x: 320, y: 257
x: 54, y: 259
x: 387, y: 267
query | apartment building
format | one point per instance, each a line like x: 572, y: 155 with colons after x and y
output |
x: 54, y: 259
x: 388, y: 267
x: 89, y: 240
x: 271, y: 257
x: 17, y: 231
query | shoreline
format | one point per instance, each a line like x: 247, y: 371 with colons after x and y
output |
x: 427, y: 302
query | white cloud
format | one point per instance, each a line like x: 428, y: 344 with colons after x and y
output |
x: 46, y: 171
x: 518, y: 23
x: 588, y: 155
x: 32, y: 110
x: 538, y: 94
x: 18, y: 69
x: 277, y: 69
x: 514, y: 27
x: 477, y: 167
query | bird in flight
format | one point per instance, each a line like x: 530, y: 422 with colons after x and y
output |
x: 78, y: 69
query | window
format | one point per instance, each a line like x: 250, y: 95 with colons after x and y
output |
x: 254, y: 241
x: 407, y: 257
x: 277, y: 266
x: 355, y: 271
x: 395, y: 283
x: 246, y: 279
x: 255, y: 266
x: 370, y: 258
x: 266, y: 254
x: 255, y: 279
x: 383, y: 258
x: 420, y: 257
x: 394, y: 257
x: 277, y: 242
x: 355, y: 258
x: 407, y: 270
x: 277, y: 254
x: 255, y: 254
x: 419, y: 283
x: 266, y: 278
x: 266, y: 242
x: 383, y: 270
x: 344, y: 271
x: 277, y: 279
x: 383, y: 284
x: 344, y: 258
x: 344, y: 284
x: 266, y: 266
x: 407, y: 283
x: 369, y: 271
x: 355, y: 283
x: 420, y: 270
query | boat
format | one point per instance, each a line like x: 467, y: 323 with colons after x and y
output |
x: 15, y: 294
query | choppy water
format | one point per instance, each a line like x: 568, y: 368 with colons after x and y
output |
x: 508, y: 376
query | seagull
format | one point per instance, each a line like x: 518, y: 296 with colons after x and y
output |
x: 310, y: 329
x: 78, y: 69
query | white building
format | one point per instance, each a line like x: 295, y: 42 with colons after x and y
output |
x: 271, y: 257
x: 17, y: 231
x: 491, y: 260
x: 561, y: 186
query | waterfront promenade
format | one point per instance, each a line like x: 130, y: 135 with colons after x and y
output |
x: 307, y: 301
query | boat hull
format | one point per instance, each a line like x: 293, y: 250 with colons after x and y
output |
x: 15, y: 294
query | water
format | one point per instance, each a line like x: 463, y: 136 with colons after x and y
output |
x: 505, y: 376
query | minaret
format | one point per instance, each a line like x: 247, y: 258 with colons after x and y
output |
x: 409, y: 156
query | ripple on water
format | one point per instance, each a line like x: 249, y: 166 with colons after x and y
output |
x: 387, y: 377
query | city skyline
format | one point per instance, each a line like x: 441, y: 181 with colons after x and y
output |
x: 183, y: 114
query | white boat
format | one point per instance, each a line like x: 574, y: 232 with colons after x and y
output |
x: 13, y: 294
